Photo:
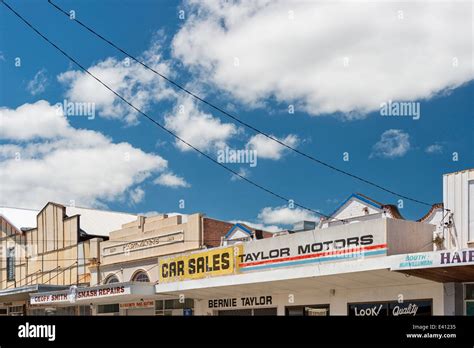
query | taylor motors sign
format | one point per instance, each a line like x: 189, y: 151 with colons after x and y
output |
x: 441, y: 258
x: 339, y: 243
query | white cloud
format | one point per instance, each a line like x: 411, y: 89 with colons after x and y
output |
x: 137, y: 195
x: 274, y: 219
x: 434, y: 149
x: 283, y: 215
x: 29, y: 121
x: 171, y: 180
x: 267, y: 148
x: 38, y: 84
x: 139, y: 86
x: 393, y: 143
x: 243, y: 172
x: 328, y: 56
x: 51, y: 161
x: 200, y: 129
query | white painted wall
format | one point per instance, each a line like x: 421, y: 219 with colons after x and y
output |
x: 339, y: 300
x: 458, y: 196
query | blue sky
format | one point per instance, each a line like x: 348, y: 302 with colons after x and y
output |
x: 333, y: 115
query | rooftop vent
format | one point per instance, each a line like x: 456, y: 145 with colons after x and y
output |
x: 304, y: 226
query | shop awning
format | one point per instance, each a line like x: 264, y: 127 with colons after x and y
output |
x: 442, y: 266
x: 109, y: 293
x: 457, y: 274
x: 23, y: 292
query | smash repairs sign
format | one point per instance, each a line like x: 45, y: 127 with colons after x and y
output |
x: 339, y: 243
x: 215, y: 262
x: 86, y: 294
x: 442, y: 258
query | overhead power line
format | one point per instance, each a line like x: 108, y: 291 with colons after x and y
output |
x: 159, y: 124
x: 235, y: 118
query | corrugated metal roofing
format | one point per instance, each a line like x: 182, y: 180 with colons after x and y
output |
x: 93, y: 221
x: 20, y: 218
x: 100, y: 222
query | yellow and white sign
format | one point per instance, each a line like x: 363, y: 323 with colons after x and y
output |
x: 216, y: 262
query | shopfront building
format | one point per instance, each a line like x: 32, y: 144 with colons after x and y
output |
x: 340, y: 270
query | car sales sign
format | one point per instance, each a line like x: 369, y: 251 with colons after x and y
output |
x: 339, y: 243
x: 215, y: 262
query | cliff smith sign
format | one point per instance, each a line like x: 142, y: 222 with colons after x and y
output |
x: 85, y: 294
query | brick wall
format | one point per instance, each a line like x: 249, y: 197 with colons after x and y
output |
x: 214, y: 230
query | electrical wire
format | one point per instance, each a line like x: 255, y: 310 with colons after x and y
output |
x: 235, y: 118
x: 159, y: 124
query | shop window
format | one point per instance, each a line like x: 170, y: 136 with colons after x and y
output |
x: 264, y: 312
x: 108, y: 308
x: 166, y: 307
x: 3, y: 311
x: 111, y: 279
x: 469, y: 297
x: 141, y: 277
x: 236, y: 312
x: 307, y: 310
x: 11, y: 264
x: 391, y: 308
x: 85, y: 310
x: 16, y: 310
x: 248, y: 312
x: 470, y: 292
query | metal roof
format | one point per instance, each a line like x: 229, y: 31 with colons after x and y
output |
x: 19, y: 218
x: 92, y: 221
x: 100, y: 222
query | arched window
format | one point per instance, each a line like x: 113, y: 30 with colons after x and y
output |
x: 111, y: 279
x: 141, y: 276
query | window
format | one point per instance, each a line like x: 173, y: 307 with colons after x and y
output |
x: 141, y: 277
x: 392, y: 308
x: 16, y: 310
x: 11, y: 264
x: 167, y: 307
x: 108, y: 308
x: 469, y: 297
x: 248, y: 312
x: 471, y: 212
x: 111, y: 279
x: 307, y: 311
